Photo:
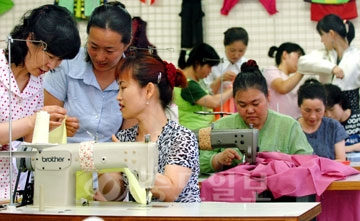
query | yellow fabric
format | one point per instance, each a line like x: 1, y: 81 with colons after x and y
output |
x: 41, y: 129
x: 58, y: 135
x: 136, y: 191
x: 83, y: 186
x: 78, y: 9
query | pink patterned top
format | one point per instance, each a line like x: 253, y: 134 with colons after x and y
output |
x: 23, y: 104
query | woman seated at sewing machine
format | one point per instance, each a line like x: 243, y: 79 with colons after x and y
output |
x: 326, y: 135
x: 277, y: 132
x: 146, y: 87
x: 338, y: 108
x: 194, y: 102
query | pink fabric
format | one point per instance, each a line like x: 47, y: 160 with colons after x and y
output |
x: 269, y: 5
x: 150, y: 2
x: 227, y: 6
x: 282, y: 174
x: 339, y: 205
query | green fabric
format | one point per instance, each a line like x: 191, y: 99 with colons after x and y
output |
x: 84, y: 187
x: 68, y: 4
x: 280, y: 133
x: 90, y: 6
x: 5, y: 5
x: 187, y: 108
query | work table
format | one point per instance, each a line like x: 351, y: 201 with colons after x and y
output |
x: 171, y: 211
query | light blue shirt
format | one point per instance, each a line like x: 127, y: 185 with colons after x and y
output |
x: 98, y: 111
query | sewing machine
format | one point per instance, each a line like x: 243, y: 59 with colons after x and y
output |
x: 246, y: 140
x: 55, y: 167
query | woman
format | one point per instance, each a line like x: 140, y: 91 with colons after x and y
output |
x: 86, y: 85
x: 283, y: 80
x: 336, y: 63
x: 195, y: 99
x: 277, y: 132
x: 326, y: 135
x: 338, y: 108
x: 222, y: 75
x: 146, y: 87
x: 44, y: 37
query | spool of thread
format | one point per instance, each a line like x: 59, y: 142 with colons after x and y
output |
x: 41, y: 130
x: 204, y: 138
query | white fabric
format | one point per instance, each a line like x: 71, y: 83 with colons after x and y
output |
x: 321, y: 62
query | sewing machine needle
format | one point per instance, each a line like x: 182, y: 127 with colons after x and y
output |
x: 95, y: 181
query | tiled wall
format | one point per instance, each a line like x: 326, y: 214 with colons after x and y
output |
x: 291, y: 23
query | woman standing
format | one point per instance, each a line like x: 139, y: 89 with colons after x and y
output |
x: 222, y: 75
x: 45, y: 36
x: 283, y: 79
x: 336, y: 63
x: 86, y: 85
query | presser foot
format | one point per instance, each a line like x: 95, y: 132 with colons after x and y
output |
x: 148, y: 196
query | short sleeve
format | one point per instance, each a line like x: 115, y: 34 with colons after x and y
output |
x: 193, y: 92
x: 340, y: 132
x: 55, y: 81
x: 184, y: 150
x: 271, y: 74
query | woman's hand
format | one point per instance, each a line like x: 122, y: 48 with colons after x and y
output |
x: 114, y: 139
x: 224, y: 158
x: 338, y: 72
x: 229, y: 76
x: 227, y: 156
x: 72, y: 125
x: 57, y: 115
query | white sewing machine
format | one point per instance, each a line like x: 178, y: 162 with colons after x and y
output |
x: 55, y: 167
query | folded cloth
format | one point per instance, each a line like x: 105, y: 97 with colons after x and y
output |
x: 345, y: 10
x: 136, y: 190
x: 282, y: 174
x: 58, y: 135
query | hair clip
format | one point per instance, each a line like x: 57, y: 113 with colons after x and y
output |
x: 221, y: 60
x: 150, y: 49
x: 159, y: 77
